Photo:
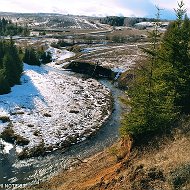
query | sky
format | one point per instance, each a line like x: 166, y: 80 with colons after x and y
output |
x: 138, y: 8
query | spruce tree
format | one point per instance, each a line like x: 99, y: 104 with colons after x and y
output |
x: 45, y: 57
x: 31, y: 57
x: 26, y: 56
x: 18, y: 65
x: 175, y: 55
x: 4, y: 84
x: 150, y: 98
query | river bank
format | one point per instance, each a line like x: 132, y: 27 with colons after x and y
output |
x: 29, y: 171
x: 163, y: 164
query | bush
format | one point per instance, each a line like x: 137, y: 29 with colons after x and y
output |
x: 4, y: 119
x: 9, y: 135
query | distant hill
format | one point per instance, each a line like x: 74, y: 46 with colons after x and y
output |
x: 59, y: 21
x: 54, y: 20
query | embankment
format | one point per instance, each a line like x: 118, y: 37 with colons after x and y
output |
x: 91, y: 69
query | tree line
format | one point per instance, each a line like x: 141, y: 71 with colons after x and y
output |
x: 160, y: 92
x: 7, y: 28
x: 11, y: 63
x: 124, y: 21
x: 113, y: 20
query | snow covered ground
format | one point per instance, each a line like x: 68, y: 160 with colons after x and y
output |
x: 59, y: 57
x: 53, y: 109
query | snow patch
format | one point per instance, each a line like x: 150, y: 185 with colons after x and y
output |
x: 51, y: 108
x: 6, y: 146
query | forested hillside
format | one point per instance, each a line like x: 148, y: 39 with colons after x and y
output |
x: 113, y: 20
x: 124, y: 21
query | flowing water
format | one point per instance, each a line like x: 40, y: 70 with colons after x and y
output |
x: 34, y: 170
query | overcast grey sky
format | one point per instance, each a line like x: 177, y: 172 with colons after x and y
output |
x: 93, y: 7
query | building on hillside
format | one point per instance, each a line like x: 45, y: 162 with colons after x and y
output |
x: 34, y: 33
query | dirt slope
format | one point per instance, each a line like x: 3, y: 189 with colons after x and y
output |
x: 162, y: 165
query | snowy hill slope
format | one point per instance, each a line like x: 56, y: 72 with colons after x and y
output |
x: 69, y: 22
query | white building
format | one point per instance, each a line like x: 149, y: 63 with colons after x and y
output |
x: 34, y: 33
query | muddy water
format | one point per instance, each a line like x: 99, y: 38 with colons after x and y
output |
x: 34, y: 170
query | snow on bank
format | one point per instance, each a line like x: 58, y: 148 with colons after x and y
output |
x: 5, y: 147
x: 52, y: 109
x: 59, y: 56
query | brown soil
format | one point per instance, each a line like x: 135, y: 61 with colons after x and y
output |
x: 165, y: 166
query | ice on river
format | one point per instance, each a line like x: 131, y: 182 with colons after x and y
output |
x: 53, y: 108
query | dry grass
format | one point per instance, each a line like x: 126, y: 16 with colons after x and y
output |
x: 115, y: 56
x: 128, y: 32
x: 164, y: 166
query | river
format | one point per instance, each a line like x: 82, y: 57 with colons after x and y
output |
x: 35, y: 170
